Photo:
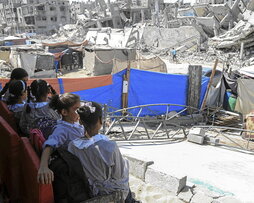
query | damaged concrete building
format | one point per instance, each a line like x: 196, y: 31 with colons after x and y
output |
x: 40, y: 16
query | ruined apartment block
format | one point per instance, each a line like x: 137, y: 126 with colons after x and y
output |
x: 43, y: 17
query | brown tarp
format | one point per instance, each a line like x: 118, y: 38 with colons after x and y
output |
x: 74, y: 84
x: 151, y: 64
x: 66, y: 43
x: 5, y: 56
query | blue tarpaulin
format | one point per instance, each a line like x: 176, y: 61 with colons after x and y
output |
x: 145, y: 87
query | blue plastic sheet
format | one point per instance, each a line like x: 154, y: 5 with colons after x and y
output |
x: 151, y: 88
x: 145, y: 87
x: 110, y: 94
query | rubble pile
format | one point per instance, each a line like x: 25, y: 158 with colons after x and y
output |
x: 5, y: 70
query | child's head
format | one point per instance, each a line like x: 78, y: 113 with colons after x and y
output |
x: 17, y: 90
x: 16, y: 74
x: 90, y: 114
x: 66, y: 105
x: 19, y: 74
x: 39, y: 89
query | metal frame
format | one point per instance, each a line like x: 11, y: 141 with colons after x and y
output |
x: 147, y: 133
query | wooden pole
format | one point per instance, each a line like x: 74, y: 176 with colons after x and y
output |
x: 209, y: 84
x: 194, y: 86
x: 126, y: 80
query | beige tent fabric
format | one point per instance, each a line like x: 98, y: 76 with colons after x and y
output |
x: 152, y: 64
x: 5, y: 56
x: 245, y: 99
x: 15, y: 59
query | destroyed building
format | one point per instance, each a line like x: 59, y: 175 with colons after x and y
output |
x: 40, y: 16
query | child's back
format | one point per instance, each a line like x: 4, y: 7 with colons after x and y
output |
x: 103, y: 164
x: 38, y: 109
x: 16, y: 98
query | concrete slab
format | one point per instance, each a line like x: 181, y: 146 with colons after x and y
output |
x: 168, y: 182
x: 186, y: 194
x: 138, y: 167
x: 195, y: 139
x: 201, y: 198
x: 229, y: 173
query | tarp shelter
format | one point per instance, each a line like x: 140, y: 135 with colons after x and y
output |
x: 146, y: 87
x: 245, y: 99
x: 99, y: 61
x: 151, y: 64
x: 62, y: 85
x: 31, y: 60
x: 5, y: 55
x: 71, y: 59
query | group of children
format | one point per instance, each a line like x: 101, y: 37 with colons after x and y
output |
x: 68, y: 123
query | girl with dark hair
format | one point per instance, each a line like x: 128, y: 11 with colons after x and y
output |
x: 38, y: 108
x: 17, y: 98
x: 16, y: 74
x: 65, y: 131
x: 100, y: 157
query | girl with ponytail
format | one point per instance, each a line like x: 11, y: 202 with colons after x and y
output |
x: 66, y: 130
x: 100, y: 157
x: 16, y: 74
x: 17, y: 97
x: 37, y: 106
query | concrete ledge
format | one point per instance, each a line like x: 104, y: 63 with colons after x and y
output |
x: 138, y: 167
x: 170, y: 183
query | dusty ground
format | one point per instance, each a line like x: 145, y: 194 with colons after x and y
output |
x: 220, y: 170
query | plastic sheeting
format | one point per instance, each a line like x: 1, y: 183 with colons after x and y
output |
x: 216, y: 94
x: 28, y: 62
x: 145, y: 88
x: 110, y: 94
x: 245, y: 99
x: 5, y: 56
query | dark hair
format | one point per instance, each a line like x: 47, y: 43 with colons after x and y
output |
x: 64, y: 101
x: 16, y: 74
x: 38, y: 89
x: 16, y: 89
x: 89, y: 114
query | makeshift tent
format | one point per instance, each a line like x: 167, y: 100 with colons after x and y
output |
x: 152, y: 64
x: 245, y: 99
x: 99, y: 61
x: 145, y: 88
x: 45, y: 62
x: 28, y: 62
x: 5, y: 56
x: 71, y: 59
x: 62, y: 85
x: 216, y: 94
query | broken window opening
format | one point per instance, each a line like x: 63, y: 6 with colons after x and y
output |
x: 53, y: 18
x: 63, y: 18
x: 62, y: 8
x: 41, y: 8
